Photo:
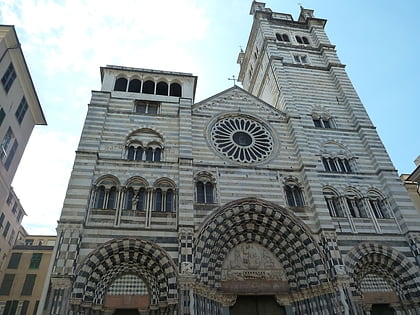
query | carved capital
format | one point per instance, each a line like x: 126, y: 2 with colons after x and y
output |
x: 187, y: 268
x: 186, y: 231
x: 228, y: 300
x: 282, y: 299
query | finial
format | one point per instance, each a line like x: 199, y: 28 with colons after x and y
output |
x: 233, y: 79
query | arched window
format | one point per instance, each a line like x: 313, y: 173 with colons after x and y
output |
x: 322, y: 118
x: 112, y: 197
x: 333, y: 203
x: 336, y: 165
x: 205, y: 188
x: 144, y: 145
x: 149, y: 154
x: 139, y: 154
x: 175, y: 90
x: 121, y: 84
x: 323, y: 122
x: 131, y: 153
x: 135, y: 194
x: 336, y: 158
x: 294, y: 196
x: 141, y: 198
x: 209, y: 192
x: 299, y: 39
x: 169, y: 206
x: 157, y: 154
x: 200, y: 192
x: 378, y: 205
x: 164, y: 196
x: 134, y: 86
x: 100, y: 197
x: 282, y: 37
x: 162, y: 88
x: 293, y: 192
x: 305, y: 40
x: 158, y: 200
x: 105, y: 196
x: 135, y: 152
x: 355, y: 205
x: 149, y: 87
x: 129, y: 199
x: 378, y: 208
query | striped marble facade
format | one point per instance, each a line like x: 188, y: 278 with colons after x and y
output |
x: 166, y: 223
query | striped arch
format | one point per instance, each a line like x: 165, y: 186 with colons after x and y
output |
x: 386, y: 262
x: 136, y: 133
x: 126, y: 256
x: 108, y: 180
x: 136, y: 180
x: 123, y: 269
x: 273, y: 227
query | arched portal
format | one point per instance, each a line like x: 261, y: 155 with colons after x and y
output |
x: 269, y: 251
x: 105, y: 273
x: 274, y: 228
x: 381, y: 273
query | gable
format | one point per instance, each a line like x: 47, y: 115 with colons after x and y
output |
x: 237, y: 127
x: 236, y: 99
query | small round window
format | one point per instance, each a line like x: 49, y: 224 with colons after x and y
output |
x: 242, y: 139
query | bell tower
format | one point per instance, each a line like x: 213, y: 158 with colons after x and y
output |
x: 292, y: 65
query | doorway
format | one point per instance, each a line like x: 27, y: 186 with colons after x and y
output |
x: 126, y: 312
x: 256, y: 305
x: 381, y: 309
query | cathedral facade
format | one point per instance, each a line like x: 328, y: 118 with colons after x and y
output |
x: 275, y: 198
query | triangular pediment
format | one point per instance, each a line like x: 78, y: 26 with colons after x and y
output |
x: 236, y: 99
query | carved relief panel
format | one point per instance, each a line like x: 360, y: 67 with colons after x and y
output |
x: 249, y: 261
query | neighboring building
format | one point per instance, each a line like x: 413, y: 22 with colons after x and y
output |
x: 278, y: 198
x: 23, y: 280
x: 11, y: 218
x: 20, y: 111
x: 412, y: 184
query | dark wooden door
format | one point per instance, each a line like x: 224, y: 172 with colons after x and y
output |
x: 256, y: 305
x: 381, y: 309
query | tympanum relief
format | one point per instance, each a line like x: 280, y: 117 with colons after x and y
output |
x: 251, y: 261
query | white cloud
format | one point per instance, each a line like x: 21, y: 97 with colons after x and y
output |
x: 74, y: 35
x: 42, y: 177
x: 65, y: 42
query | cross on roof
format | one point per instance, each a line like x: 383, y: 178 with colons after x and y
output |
x: 234, y: 80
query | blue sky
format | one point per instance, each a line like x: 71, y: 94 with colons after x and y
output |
x: 65, y: 42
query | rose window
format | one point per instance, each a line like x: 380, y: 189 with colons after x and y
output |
x: 242, y: 139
